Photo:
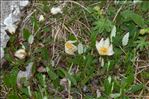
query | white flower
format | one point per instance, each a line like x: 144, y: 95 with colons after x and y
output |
x: 70, y: 48
x: 125, y: 39
x: 56, y: 10
x: 41, y: 18
x: 21, y: 53
x: 104, y: 47
x: 11, y: 28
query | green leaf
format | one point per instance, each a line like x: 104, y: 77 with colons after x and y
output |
x: 35, y: 23
x: 107, y: 87
x: 25, y: 91
x: 145, y: 75
x: 135, y: 88
x: 37, y: 95
x: 10, y: 78
x: 115, y: 95
x: 145, y: 5
x: 125, y: 39
x: 26, y: 34
x: 31, y: 39
x: 70, y: 77
x: 51, y: 74
x: 12, y: 95
x: 103, y: 25
x: 45, y: 53
x: 142, y: 43
x: 138, y: 20
x: 80, y: 48
x: 130, y: 15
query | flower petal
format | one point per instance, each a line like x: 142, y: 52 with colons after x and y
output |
x: 100, y: 43
x: 70, y: 48
x: 106, y: 43
x: 72, y: 41
x: 41, y: 18
x: 21, y: 54
x: 11, y: 28
x: 110, y: 52
x: 56, y: 10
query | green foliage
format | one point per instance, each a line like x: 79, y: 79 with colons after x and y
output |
x: 142, y: 43
x: 51, y: 74
x: 10, y: 78
x: 130, y: 15
x: 26, y: 34
x: 102, y: 25
x: 135, y: 88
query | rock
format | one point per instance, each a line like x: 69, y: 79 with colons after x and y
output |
x: 3, y: 37
x: 10, y: 17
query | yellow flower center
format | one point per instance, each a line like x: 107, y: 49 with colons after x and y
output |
x: 103, y: 50
x: 69, y: 45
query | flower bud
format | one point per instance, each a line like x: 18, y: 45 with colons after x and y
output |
x: 41, y: 18
x: 56, y: 10
x: 21, y: 53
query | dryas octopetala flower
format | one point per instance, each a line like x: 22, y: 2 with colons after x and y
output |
x: 104, y: 47
x: 11, y: 29
x: 70, y: 48
x: 56, y: 10
x: 41, y: 18
x: 21, y: 53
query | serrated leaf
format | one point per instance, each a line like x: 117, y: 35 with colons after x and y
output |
x: 31, y: 39
x: 125, y: 39
x: 80, y: 48
x: 102, y: 25
x: 113, y: 32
